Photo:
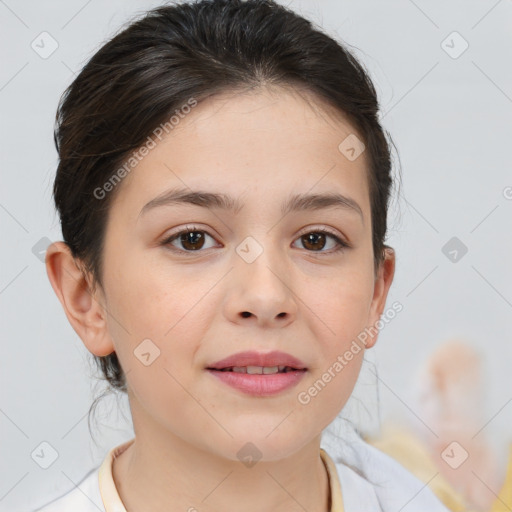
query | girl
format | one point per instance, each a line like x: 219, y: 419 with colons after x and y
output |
x: 223, y: 186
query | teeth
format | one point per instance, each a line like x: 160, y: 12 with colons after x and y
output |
x: 255, y: 369
x: 260, y: 370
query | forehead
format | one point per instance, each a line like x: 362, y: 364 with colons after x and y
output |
x: 255, y: 142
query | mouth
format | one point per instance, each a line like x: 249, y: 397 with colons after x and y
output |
x: 259, y: 373
x: 259, y: 370
x: 254, y: 362
x: 259, y: 381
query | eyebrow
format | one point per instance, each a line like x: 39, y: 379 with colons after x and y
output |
x: 212, y: 200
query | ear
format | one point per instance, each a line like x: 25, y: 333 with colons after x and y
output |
x: 383, y: 281
x: 85, y: 311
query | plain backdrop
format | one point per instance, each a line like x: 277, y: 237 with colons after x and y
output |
x: 443, y: 75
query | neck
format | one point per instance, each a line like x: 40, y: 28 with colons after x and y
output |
x: 164, y: 473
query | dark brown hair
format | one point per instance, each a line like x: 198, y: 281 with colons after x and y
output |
x: 154, y: 66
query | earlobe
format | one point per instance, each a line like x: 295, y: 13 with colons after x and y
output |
x: 85, y: 311
x: 382, y: 285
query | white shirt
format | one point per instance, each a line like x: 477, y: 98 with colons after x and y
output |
x: 391, y: 487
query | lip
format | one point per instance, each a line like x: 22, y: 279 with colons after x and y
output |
x: 252, y: 358
x: 259, y: 384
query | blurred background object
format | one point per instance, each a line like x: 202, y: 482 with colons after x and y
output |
x: 453, y: 454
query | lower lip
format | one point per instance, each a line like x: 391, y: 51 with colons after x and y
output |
x: 260, y: 384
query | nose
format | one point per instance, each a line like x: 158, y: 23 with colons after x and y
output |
x: 261, y: 292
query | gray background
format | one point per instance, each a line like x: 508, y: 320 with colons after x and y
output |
x: 451, y: 121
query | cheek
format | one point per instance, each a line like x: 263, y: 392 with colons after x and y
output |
x: 155, y: 324
x: 339, y: 307
x: 155, y: 302
x: 341, y: 313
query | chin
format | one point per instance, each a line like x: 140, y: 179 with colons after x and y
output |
x: 265, y: 443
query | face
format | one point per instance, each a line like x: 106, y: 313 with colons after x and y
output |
x: 187, y: 285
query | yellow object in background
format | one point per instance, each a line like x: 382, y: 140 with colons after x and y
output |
x: 408, y: 451
x: 503, y: 502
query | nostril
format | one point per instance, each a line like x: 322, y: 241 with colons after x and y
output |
x: 245, y: 314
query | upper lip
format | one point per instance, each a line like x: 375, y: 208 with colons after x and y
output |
x: 252, y: 358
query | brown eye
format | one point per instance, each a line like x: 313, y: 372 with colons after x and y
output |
x: 190, y: 239
x: 315, y: 241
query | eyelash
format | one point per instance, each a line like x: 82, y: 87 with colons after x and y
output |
x: 342, y: 245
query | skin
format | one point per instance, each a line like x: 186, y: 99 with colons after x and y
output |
x: 304, y: 299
